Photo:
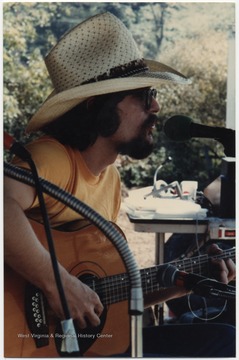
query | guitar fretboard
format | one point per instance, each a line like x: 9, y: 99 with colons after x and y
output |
x: 113, y: 289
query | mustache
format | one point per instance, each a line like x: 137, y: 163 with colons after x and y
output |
x: 151, y: 120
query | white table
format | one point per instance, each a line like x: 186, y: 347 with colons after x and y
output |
x: 162, y: 226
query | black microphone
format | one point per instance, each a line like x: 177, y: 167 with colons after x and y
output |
x: 182, y: 128
x: 168, y: 276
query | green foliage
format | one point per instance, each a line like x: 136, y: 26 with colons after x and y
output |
x: 192, y: 37
x: 202, y: 56
x: 25, y: 76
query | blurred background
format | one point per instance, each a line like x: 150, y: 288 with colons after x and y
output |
x: 195, y: 38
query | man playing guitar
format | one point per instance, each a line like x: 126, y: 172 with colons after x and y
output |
x: 103, y: 105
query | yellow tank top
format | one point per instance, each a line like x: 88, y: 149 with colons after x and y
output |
x: 66, y: 168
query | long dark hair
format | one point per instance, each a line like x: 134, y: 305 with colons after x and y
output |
x: 80, y: 126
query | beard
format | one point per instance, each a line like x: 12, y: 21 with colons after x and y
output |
x: 137, y: 148
x: 140, y: 147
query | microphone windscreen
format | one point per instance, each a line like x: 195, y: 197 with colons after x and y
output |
x: 166, y: 275
x: 177, y: 128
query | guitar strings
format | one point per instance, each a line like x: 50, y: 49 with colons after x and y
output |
x: 113, y: 282
x: 116, y: 287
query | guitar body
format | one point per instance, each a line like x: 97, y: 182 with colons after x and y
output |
x: 91, y: 257
x: 82, y: 253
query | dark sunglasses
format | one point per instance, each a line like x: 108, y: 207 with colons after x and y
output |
x: 146, y: 96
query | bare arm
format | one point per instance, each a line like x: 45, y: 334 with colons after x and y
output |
x: 164, y: 295
x: 222, y: 270
x: 25, y: 254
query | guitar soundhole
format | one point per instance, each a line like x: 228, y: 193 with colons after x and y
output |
x: 86, y: 337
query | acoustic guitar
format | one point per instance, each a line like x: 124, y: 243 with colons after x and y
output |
x: 30, y: 328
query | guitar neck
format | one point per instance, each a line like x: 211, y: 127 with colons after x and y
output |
x: 113, y: 289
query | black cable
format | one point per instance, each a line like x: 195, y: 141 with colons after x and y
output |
x: 21, y: 152
x: 107, y: 228
x: 118, y: 240
x: 50, y: 241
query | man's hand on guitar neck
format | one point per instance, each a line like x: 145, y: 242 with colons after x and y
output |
x: 223, y: 270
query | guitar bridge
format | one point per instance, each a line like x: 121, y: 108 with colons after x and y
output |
x: 35, y: 310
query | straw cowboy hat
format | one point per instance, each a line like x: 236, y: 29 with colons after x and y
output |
x: 98, y: 56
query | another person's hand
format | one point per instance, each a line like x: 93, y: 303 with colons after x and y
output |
x: 224, y: 270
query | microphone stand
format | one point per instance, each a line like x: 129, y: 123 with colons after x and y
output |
x: 156, y: 192
x: 227, y: 196
x: 228, y: 140
x: 222, y: 294
x: 207, y: 290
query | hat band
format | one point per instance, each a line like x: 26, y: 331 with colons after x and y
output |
x: 132, y: 68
